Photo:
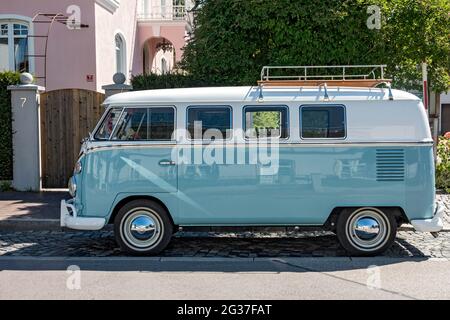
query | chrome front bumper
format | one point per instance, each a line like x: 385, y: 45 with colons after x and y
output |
x: 434, y: 224
x: 69, y: 218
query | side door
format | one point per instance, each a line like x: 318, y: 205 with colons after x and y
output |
x: 135, y: 158
x: 144, y: 162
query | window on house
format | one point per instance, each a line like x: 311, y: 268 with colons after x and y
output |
x: 179, y: 9
x: 145, y: 124
x: 266, y: 122
x: 146, y: 6
x: 4, y: 48
x: 209, y: 123
x: 13, y: 47
x: 164, y: 67
x: 163, y: 9
x: 120, y: 55
x: 322, y: 122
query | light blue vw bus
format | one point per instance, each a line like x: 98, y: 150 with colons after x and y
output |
x: 336, y: 153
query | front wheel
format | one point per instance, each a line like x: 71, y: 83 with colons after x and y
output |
x: 366, y: 231
x: 142, y: 227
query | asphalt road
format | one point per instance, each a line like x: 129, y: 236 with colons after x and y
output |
x: 223, y: 278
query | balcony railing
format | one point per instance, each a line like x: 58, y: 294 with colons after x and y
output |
x: 176, y: 13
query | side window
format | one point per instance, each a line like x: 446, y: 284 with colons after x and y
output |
x: 108, y: 124
x: 215, y: 121
x: 145, y: 124
x: 265, y: 122
x: 318, y: 122
x: 161, y: 124
x: 132, y: 125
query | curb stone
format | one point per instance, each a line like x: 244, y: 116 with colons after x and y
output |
x: 30, y: 225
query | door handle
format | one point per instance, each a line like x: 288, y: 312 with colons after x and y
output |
x: 167, y: 163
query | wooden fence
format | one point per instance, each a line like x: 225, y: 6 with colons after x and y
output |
x: 67, y: 116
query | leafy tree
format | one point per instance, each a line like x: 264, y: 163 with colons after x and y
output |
x: 233, y: 39
x: 164, y: 81
x: 267, y: 119
x: 417, y: 31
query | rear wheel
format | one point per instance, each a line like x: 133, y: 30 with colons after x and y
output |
x: 142, y: 227
x: 366, y: 231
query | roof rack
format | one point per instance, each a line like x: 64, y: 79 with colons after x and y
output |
x: 359, y: 76
x: 340, y: 76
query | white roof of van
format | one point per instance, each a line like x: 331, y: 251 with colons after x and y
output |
x: 251, y: 94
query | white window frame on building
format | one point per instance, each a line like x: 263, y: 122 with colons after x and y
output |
x: 120, y: 52
x: 164, y: 66
x: 17, y: 27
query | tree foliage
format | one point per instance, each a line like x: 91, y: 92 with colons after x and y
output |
x: 169, y: 80
x: 267, y: 119
x: 233, y: 39
x: 418, y: 31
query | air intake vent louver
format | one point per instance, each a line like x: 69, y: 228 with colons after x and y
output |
x: 390, y: 164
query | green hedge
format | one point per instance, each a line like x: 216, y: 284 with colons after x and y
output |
x: 170, y: 80
x: 443, y: 164
x: 6, y: 152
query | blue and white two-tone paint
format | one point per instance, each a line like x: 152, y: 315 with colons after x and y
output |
x: 359, y: 163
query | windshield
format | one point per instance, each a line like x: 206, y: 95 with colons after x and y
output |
x: 109, y: 122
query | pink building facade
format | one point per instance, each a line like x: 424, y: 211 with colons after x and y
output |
x: 91, y: 40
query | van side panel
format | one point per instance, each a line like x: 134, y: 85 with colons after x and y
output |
x: 310, y: 181
x: 301, y: 188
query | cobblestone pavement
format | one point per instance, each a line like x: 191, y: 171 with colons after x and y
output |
x: 303, y: 244
x: 209, y: 244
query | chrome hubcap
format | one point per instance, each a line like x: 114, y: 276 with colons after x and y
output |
x: 142, y: 228
x: 368, y: 229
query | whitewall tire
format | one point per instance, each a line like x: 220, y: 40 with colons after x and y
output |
x: 143, y: 227
x: 366, y: 231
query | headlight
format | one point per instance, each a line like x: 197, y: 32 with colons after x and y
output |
x: 77, y: 168
x: 72, y: 187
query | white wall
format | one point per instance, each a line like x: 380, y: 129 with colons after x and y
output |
x: 108, y: 24
x: 445, y: 98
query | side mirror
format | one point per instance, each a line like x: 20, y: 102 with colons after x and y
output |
x: 88, y: 138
